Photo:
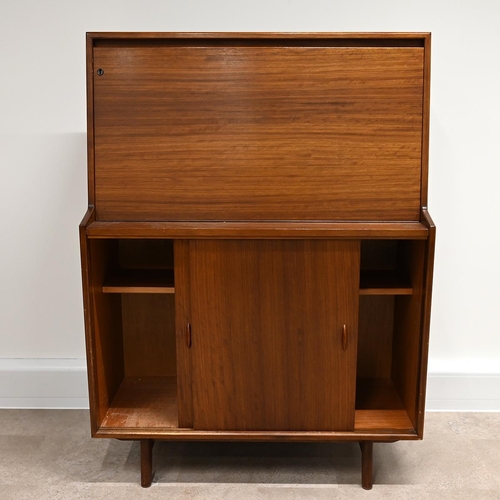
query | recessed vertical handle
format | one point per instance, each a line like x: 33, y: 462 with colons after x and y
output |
x: 344, y: 337
x: 188, y: 335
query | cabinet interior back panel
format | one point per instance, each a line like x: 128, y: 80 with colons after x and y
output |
x: 258, y: 133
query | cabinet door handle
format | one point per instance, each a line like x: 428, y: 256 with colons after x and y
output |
x: 344, y: 337
x: 188, y: 335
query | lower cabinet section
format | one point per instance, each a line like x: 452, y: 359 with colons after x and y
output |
x: 256, y: 339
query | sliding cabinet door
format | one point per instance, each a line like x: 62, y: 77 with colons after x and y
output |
x: 273, y: 334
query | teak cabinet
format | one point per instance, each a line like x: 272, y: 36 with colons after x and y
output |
x: 257, y: 254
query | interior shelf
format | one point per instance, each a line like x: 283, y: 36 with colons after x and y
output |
x: 384, y: 283
x: 143, y: 402
x: 140, y: 281
x: 379, y: 407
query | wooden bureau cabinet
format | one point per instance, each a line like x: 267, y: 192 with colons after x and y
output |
x: 257, y: 254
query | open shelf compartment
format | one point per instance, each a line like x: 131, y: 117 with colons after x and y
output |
x: 384, y: 268
x: 379, y: 407
x: 389, y: 333
x: 134, y: 311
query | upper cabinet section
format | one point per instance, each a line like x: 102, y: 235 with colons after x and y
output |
x: 249, y: 128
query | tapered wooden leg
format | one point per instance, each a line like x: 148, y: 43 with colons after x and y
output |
x: 366, y: 464
x: 146, y: 462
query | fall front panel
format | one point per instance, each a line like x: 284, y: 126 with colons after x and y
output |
x: 258, y: 133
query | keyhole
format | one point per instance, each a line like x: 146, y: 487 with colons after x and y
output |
x: 100, y: 72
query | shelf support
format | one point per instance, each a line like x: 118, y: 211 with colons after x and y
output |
x: 366, y: 464
x: 146, y: 462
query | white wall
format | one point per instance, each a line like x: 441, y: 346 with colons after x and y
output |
x: 43, y: 173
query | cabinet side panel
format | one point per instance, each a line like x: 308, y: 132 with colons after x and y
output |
x: 258, y: 133
x: 90, y: 119
x: 88, y: 318
x: 182, y: 318
x: 267, y: 322
x: 107, y: 326
x: 426, y: 320
x: 407, y: 329
x: 426, y: 119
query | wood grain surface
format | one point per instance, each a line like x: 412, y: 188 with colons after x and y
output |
x: 426, y: 317
x: 407, y: 329
x: 143, y: 402
x: 375, y: 329
x: 148, y: 334
x: 106, y: 325
x: 88, y: 314
x: 267, y: 320
x: 258, y: 133
x: 383, y: 421
x: 261, y: 230
x: 182, y: 319
x: 390, y: 435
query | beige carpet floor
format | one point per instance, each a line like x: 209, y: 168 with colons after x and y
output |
x: 48, y: 454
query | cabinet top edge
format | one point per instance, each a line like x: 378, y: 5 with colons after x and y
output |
x: 258, y: 34
x: 416, y: 37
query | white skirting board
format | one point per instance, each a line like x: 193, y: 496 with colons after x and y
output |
x: 463, y: 392
x: 62, y: 383
x: 43, y: 383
